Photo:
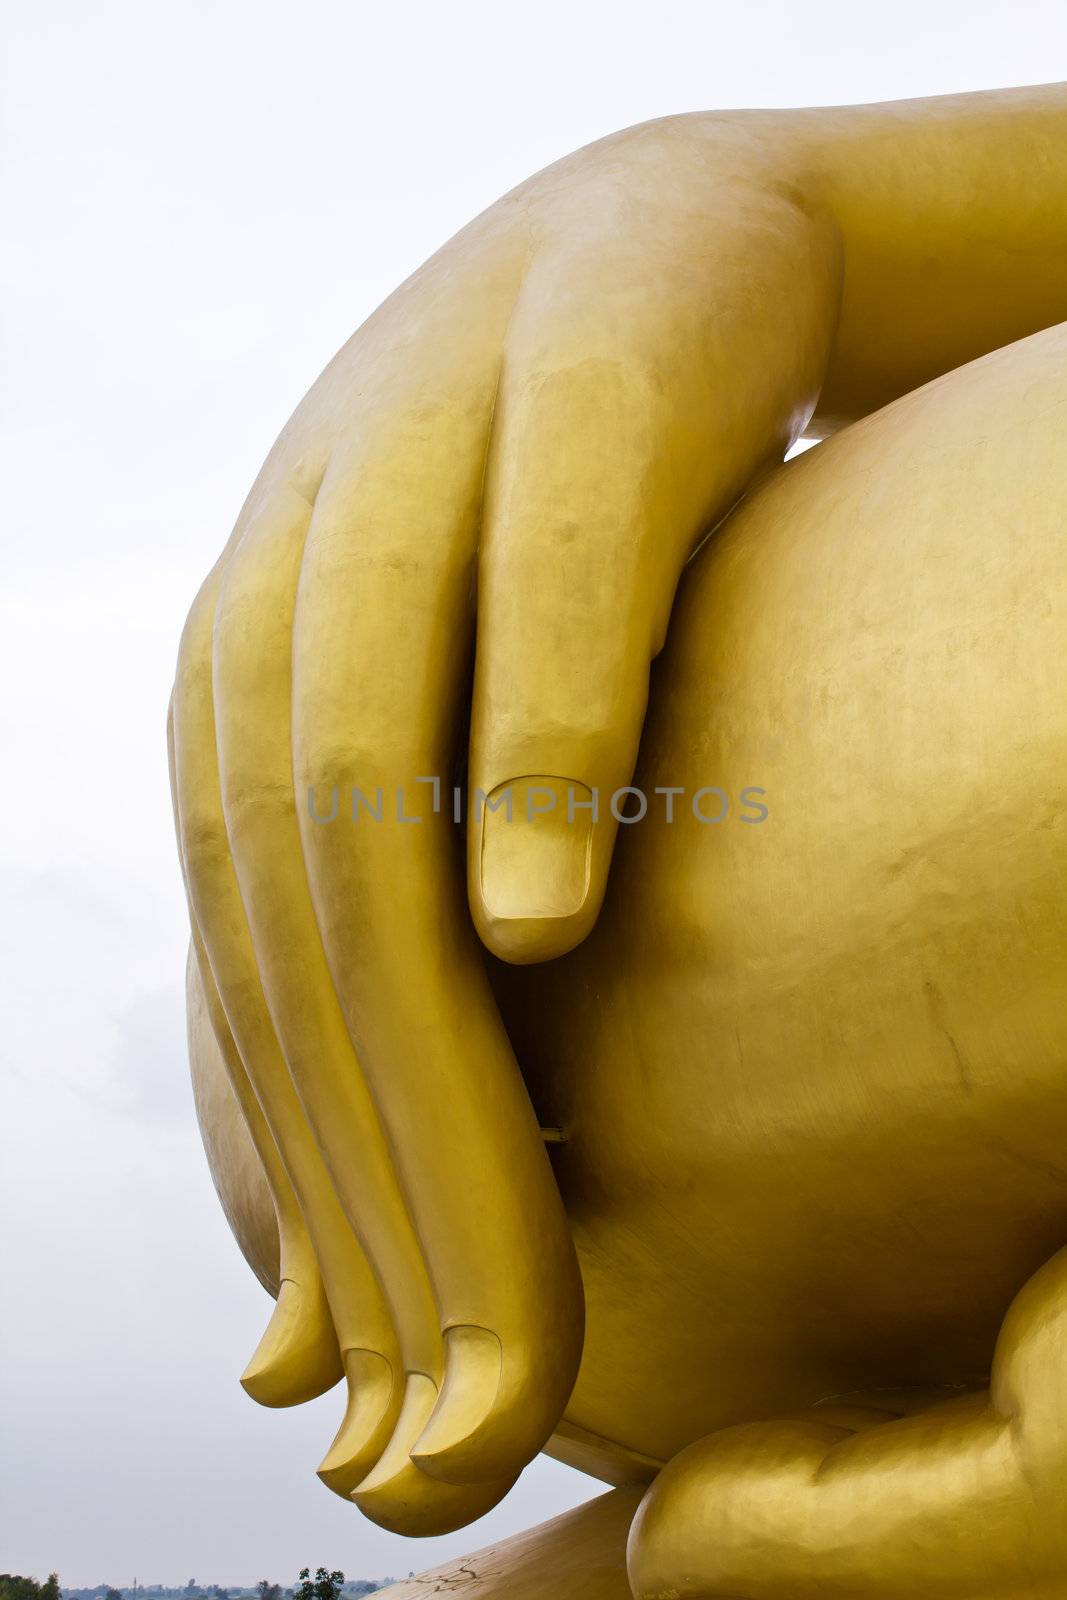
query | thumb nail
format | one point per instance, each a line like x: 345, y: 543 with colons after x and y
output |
x: 537, y: 835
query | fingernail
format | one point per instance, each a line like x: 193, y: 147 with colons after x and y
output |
x: 420, y: 1397
x: 366, y: 1425
x: 537, y: 835
x: 473, y: 1362
x: 297, y: 1358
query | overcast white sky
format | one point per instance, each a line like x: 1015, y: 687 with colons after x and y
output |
x: 201, y: 202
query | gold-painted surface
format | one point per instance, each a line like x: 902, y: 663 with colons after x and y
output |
x: 578, y: 1556
x: 813, y: 1071
x: 809, y: 1071
x: 236, y: 1170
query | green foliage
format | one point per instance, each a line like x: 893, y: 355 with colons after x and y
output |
x: 268, y: 1591
x: 13, y: 1587
x: 325, y: 1586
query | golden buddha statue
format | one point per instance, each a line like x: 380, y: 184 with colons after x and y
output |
x: 705, y: 1127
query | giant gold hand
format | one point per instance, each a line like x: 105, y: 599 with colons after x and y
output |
x: 559, y: 404
x: 813, y: 1072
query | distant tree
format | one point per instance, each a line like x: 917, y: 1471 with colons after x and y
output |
x: 268, y: 1591
x: 14, y: 1587
x: 112, y: 1594
x: 326, y: 1585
